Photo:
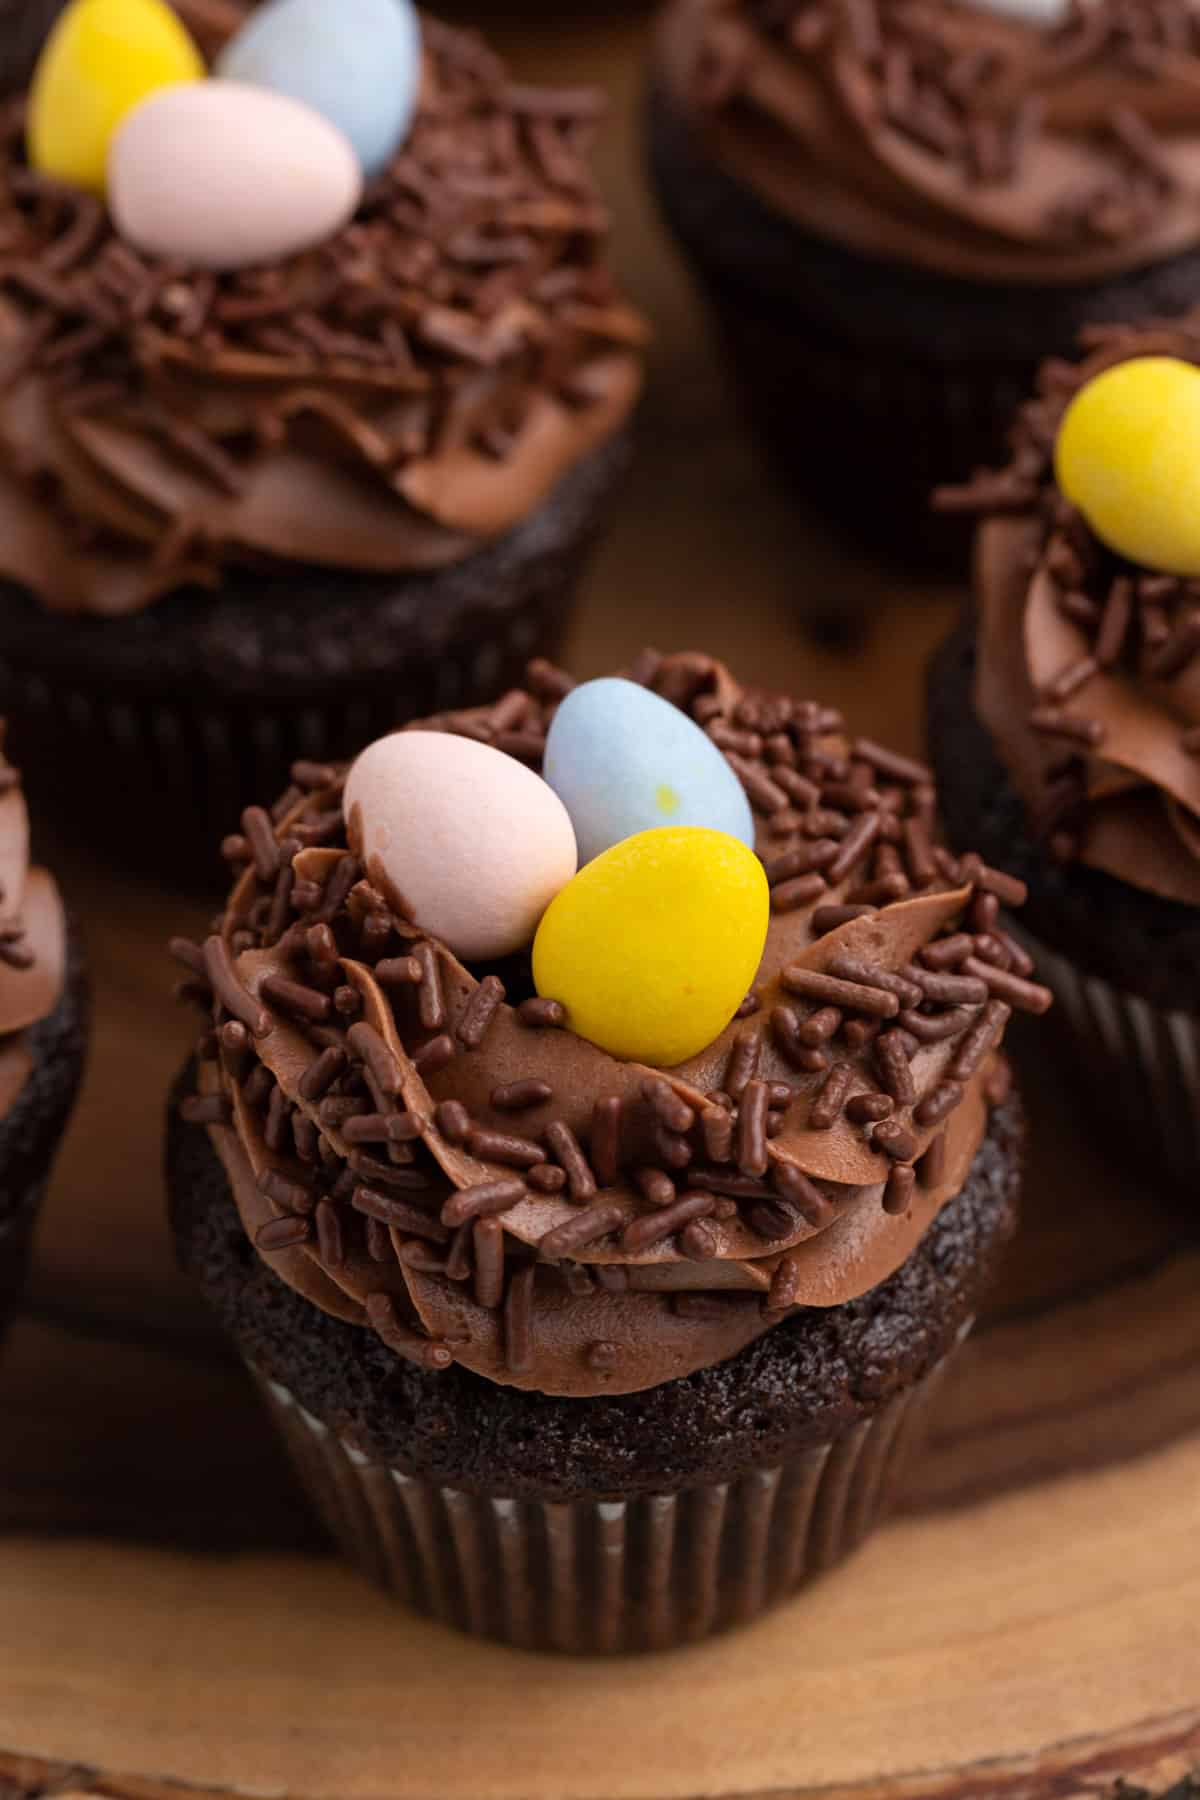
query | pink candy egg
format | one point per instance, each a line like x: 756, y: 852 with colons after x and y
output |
x: 219, y: 175
x: 466, y: 842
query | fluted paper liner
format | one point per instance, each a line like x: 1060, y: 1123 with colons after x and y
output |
x: 1143, y: 1064
x: 595, y: 1577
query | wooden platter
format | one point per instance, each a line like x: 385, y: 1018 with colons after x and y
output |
x: 1029, y: 1626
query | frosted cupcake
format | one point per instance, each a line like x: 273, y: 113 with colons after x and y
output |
x: 1065, y: 718
x: 311, y: 419
x: 599, y: 1240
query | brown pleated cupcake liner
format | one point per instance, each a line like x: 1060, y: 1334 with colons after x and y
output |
x: 1141, y: 1064
x: 601, y: 1577
x: 159, y: 778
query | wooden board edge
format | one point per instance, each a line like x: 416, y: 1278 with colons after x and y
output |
x: 1158, y: 1759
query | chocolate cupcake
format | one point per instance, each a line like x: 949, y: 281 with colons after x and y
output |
x: 897, y: 212
x: 259, y: 512
x: 1065, y: 720
x: 43, y: 1028
x: 571, y: 1349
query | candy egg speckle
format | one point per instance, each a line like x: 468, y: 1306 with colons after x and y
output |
x: 357, y: 62
x: 654, y: 945
x: 223, y: 176
x: 101, y: 59
x: 466, y: 842
x: 623, y: 760
x: 1128, y: 456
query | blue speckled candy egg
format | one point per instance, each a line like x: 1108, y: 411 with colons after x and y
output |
x: 622, y: 760
x: 356, y: 61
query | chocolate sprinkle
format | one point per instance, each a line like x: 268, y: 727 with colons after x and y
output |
x: 743, y: 1061
x: 518, y: 1320
x: 391, y: 1211
x: 831, y: 1097
x: 282, y: 1234
x: 565, y: 1145
x: 894, y: 1070
x: 434, y: 1056
x: 501, y: 1147
x: 384, y: 1069
x: 897, y: 1194
x: 519, y: 1096
x: 606, y: 1140
x: 485, y: 1198
x: 431, y: 1000
x: 751, y: 1129
x: 227, y: 986
x: 585, y: 1228
x: 653, y: 1228
x: 487, y: 1237
x: 812, y: 984
x: 894, y: 1140
x: 479, y: 1012
x: 542, y: 1015
x: 452, y: 1120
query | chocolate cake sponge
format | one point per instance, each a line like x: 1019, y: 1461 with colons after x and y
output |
x: 815, y: 1375
x: 29, y: 1134
x: 1134, y: 939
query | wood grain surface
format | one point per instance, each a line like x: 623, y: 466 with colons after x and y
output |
x: 1030, y: 1626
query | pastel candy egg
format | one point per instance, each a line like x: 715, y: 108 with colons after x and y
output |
x: 222, y: 176
x: 466, y: 842
x: 1128, y: 456
x: 654, y: 945
x: 358, y: 62
x: 1045, y: 14
x: 622, y: 760
x: 100, y: 60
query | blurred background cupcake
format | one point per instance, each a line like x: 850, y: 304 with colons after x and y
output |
x: 897, y: 210
x: 317, y: 389
x: 1065, y: 718
x: 43, y: 1029
x: 600, y: 1301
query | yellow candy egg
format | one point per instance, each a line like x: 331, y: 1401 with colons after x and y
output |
x: 655, y: 944
x: 101, y: 58
x: 1128, y: 456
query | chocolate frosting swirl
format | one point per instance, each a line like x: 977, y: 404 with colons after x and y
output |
x: 33, y: 940
x: 414, y: 1147
x: 1087, y: 675
x: 946, y: 135
x: 388, y: 402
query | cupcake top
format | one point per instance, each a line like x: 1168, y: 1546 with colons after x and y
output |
x: 1088, y: 674
x: 992, y: 140
x: 387, y: 398
x: 33, y: 940
x: 423, y: 1142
